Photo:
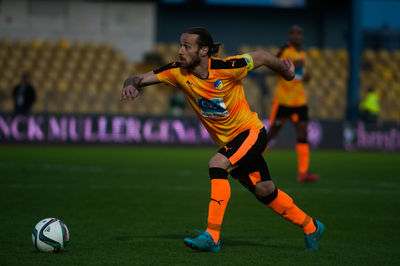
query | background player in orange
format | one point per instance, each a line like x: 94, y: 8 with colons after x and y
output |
x: 290, y: 102
x: 213, y: 88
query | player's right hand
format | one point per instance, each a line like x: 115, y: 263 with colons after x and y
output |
x: 131, y: 88
x: 290, y: 69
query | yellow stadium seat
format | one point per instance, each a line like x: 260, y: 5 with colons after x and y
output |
x: 383, y: 55
x: 244, y: 49
x: 59, y: 55
x: 5, y: 85
x: 36, y: 44
x: 27, y: 65
x: 63, y: 44
x: 161, y: 48
x: 342, y: 55
x: 369, y: 55
x: 19, y: 44
x: 62, y: 86
x: 396, y: 56
x: 387, y: 74
x: 174, y: 48
x: 314, y: 53
x: 5, y: 43
x: 7, y: 105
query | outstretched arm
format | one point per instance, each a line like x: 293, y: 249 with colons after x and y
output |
x: 135, y: 82
x: 284, y: 67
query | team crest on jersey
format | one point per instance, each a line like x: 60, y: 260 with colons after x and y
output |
x: 218, y: 84
x: 212, y: 107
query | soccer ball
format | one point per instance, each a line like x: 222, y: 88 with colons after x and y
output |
x: 50, y: 235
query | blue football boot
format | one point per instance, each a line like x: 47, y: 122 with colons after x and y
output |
x: 312, y: 240
x: 203, y: 242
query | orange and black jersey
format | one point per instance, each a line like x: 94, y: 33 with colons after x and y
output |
x: 218, y: 100
x: 291, y: 93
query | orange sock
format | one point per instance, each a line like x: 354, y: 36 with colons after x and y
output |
x: 303, y: 157
x: 220, y: 194
x: 284, y: 206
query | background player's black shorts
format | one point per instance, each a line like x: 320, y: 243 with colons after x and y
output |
x: 291, y: 112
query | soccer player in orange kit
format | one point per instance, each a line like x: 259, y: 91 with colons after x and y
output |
x: 290, y: 102
x: 213, y: 88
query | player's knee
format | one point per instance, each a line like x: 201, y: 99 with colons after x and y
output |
x: 302, y: 131
x: 268, y: 198
x: 264, y: 189
x: 302, y: 136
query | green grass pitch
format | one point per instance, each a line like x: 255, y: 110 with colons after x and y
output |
x: 134, y: 206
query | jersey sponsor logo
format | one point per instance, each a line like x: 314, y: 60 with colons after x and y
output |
x: 218, y: 84
x: 212, y: 107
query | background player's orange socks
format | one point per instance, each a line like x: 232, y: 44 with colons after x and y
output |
x: 220, y: 194
x: 303, y: 157
x: 284, y: 206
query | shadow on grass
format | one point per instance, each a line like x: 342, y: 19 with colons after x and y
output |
x: 167, y: 236
x: 267, y: 243
x: 257, y: 243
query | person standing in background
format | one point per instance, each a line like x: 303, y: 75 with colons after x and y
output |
x: 24, y: 95
x: 290, y: 102
x: 176, y: 103
x: 370, y: 107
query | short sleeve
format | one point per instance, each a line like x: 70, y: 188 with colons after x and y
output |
x: 245, y: 64
x: 234, y: 66
x: 249, y: 61
x: 167, y: 74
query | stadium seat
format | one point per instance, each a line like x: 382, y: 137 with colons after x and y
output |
x: 244, y: 49
x: 314, y: 53
x: 79, y: 69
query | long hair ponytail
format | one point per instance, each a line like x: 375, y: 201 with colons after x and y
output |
x: 205, y: 39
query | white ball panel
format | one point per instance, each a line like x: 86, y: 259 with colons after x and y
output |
x: 51, y: 232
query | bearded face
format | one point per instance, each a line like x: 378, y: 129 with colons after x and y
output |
x: 189, y: 51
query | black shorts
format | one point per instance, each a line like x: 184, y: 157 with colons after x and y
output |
x: 279, y: 113
x: 246, y: 152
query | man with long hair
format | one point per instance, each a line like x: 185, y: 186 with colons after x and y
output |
x: 213, y: 88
